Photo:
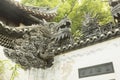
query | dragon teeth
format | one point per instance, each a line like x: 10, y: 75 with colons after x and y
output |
x: 63, y: 36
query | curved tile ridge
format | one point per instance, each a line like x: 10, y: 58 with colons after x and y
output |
x: 87, y: 42
x: 8, y: 35
x: 37, y: 11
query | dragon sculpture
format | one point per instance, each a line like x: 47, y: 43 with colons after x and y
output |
x: 31, y: 45
x: 91, y: 27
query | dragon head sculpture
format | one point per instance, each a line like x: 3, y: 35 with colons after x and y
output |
x: 62, y: 30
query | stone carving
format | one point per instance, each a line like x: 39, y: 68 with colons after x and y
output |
x: 34, y: 47
x: 32, y: 44
x: 90, y: 26
x: 115, y: 10
x: 101, y: 69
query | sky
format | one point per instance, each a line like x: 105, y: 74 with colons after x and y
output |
x: 18, y: 0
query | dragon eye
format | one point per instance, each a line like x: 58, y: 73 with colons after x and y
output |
x: 68, y: 23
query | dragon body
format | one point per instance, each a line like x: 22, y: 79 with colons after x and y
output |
x: 33, y: 47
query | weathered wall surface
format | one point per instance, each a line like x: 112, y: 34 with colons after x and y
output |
x: 66, y: 66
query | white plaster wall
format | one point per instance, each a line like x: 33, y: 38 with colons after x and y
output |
x: 66, y: 66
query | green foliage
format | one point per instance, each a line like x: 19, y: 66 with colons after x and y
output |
x: 14, y: 71
x: 76, y: 9
x: 43, y: 3
x: 2, y: 66
x: 95, y: 7
x: 6, y: 65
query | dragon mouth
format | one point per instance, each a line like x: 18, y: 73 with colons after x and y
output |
x: 63, y: 31
x: 62, y: 35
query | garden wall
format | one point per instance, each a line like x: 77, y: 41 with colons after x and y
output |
x: 97, y: 62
